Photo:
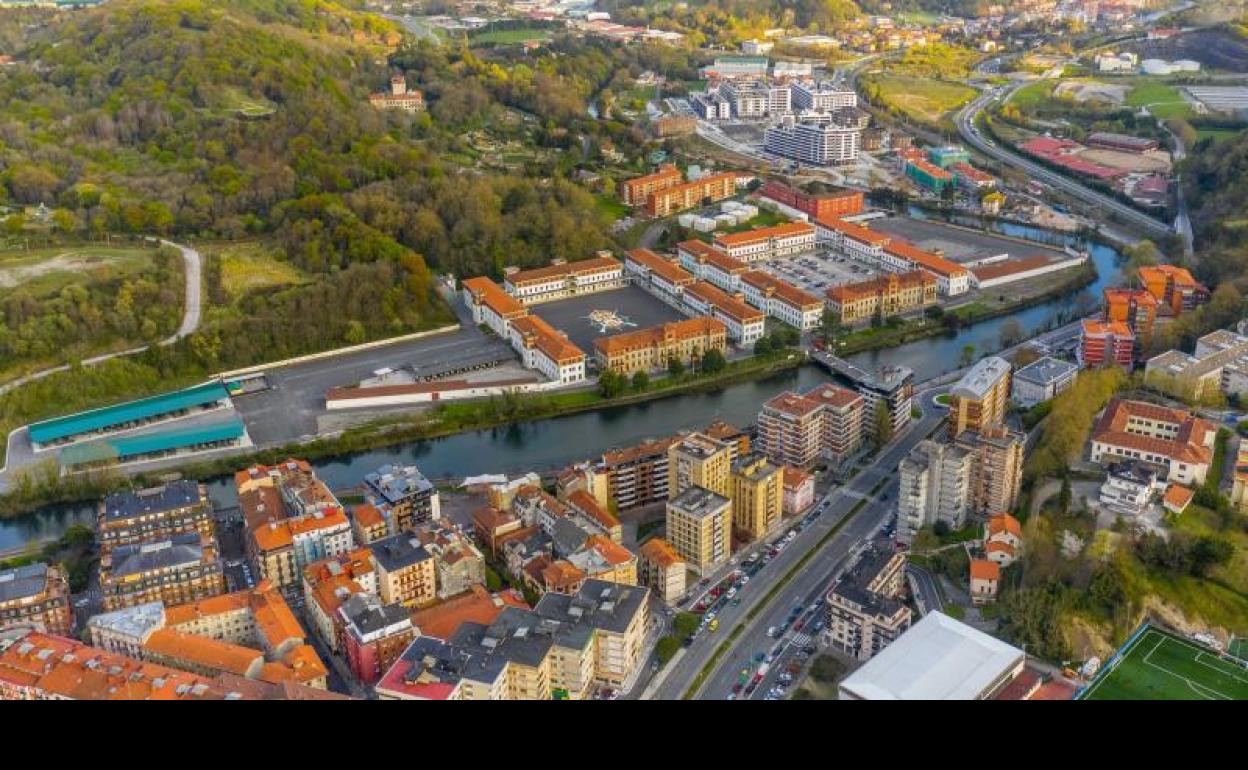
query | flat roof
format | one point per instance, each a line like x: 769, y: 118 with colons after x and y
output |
x: 161, y: 441
x: 1045, y: 370
x: 938, y: 658
x: 131, y: 411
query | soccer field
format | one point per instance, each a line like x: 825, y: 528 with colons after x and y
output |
x: 1158, y: 666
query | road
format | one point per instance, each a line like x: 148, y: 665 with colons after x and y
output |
x: 840, y: 501
x: 966, y: 127
x: 928, y: 597
x: 191, y: 313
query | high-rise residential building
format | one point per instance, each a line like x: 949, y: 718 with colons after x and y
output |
x: 698, y: 460
x: 330, y: 582
x: 892, y: 386
x: 808, y: 139
x: 935, y: 481
x: 997, y: 467
x: 403, y: 497
x: 1137, y: 308
x: 180, y: 569
x: 979, y: 400
x: 661, y: 569
x: 645, y: 350
x: 1106, y: 343
x: 560, y: 649
x: 757, y: 495
x: 637, y: 475
x: 158, y: 513
x: 865, y: 614
x: 36, y: 596
x: 406, y: 571
x: 822, y: 96
x: 1174, y: 287
x: 737, y: 439
x: 800, y: 430
x: 699, y: 527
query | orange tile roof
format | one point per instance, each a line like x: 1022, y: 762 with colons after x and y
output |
x: 181, y: 614
x: 936, y: 172
x: 924, y: 259
x: 1004, y: 522
x: 1177, y: 497
x: 792, y: 404
x: 203, y: 652
x: 874, y: 287
x: 1181, y: 276
x: 301, y: 524
x: 782, y: 290
x: 660, y: 552
x: 586, y: 503
x: 982, y: 569
x: 704, y: 252
x: 1191, y: 443
x: 645, y: 338
x: 477, y: 605
x: 725, y: 302
x: 656, y: 448
x: 491, y: 518
x: 492, y: 296
x: 368, y: 515
x: 795, y: 477
x: 664, y: 268
x: 1093, y: 327
x: 854, y: 231
x: 561, y: 574
x: 992, y: 546
x: 612, y: 552
x: 331, y: 592
x: 757, y: 235
x: 833, y: 396
x: 567, y: 269
x: 555, y: 345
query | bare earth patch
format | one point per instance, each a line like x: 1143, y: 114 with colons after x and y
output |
x: 70, y: 261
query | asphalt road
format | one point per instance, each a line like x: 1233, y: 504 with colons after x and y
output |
x: 929, y: 596
x: 965, y: 122
x: 840, y: 501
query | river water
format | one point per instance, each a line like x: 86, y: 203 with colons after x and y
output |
x: 553, y: 443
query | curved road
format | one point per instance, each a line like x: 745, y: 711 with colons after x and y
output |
x: 193, y: 311
x: 966, y: 127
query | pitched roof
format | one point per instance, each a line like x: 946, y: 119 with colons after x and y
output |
x: 653, y: 336
x: 782, y: 290
x: 566, y: 269
x: 661, y: 266
x: 757, y: 235
x: 1004, y: 522
x: 661, y: 552
x: 492, y: 296
x: 982, y: 569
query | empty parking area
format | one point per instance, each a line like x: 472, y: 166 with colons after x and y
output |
x: 820, y: 271
x: 585, y: 319
x: 958, y: 244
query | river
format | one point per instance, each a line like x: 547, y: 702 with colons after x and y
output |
x: 555, y: 442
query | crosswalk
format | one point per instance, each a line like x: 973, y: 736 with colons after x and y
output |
x: 802, y: 640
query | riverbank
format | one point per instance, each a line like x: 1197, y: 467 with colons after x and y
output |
x: 448, y: 419
x: 864, y: 340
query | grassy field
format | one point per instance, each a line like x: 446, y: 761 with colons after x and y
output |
x: 1162, y: 99
x: 509, y: 36
x: 921, y: 99
x: 248, y: 266
x: 1158, y: 666
x: 42, y: 272
x: 1032, y: 94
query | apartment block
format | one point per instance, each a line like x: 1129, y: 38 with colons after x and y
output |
x: 367, y: 524
x: 698, y: 460
x: 699, y: 527
x: 997, y: 467
x: 458, y: 564
x: 1174, y: 287
x: 935, y: 481
x: 36, y: 596
x: 635, y: 192
x: 808, y: 139
x: 1137, y: 308
x: 1219, y: 365
x: 652, y: 348
x: 865, y: 613
x: 181, y: 569
x: 837, y: 203
x: 661, y: 569
x: 158, y: 513
x: 374, y: 635
x: 403, y: 497
x: 800, y: 430
x: 1106, y: 343
x: 559, y: 650
x: 637, y: 475
x: 406, y: 571
x: 980, y: 399
x: 671, y: 200
x: 330, y: 582
x: 757, y: 496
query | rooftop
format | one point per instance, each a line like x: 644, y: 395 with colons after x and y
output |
x: 565, y: 269
x: 394, y: 484
x: 656, y: 335
x: 23, y: 582
x: 181, y: 550
x: 398, y: 552
x: 699, y: 502
x: 1045, y: 370
x: 786, y: 230
x: 982, y: 378
x: 169, y: 497
x: 129, y: 412
x: 938, y: 658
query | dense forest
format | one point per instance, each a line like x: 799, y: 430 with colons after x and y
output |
x: 1215, y: 178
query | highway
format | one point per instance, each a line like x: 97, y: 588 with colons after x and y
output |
x: 966, y: 127
x: 829, y: 557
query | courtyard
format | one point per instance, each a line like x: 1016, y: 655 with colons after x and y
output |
x: 586, y: 318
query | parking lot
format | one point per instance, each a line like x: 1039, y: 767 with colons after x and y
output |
x: 819, y: 271
x: 633, y: 307
x: 958, y: 244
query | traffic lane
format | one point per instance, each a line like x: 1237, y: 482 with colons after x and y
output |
x: 841, y: 499
x: 835, y: 552
x: 927, y: 589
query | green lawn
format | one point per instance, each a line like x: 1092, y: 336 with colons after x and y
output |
x: 922, y: 99
x: 251, y: 265
x: 1162, y: 99
x: 42, y: 272
x: 1158, y: 666
x: 1032, y: 94
x: 508, y: 36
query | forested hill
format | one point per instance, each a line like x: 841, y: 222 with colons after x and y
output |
x: 1215, y: 178
x: 190, y: 115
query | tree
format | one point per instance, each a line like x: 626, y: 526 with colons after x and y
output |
x: 641, y: 381
x: 1064, y: 496
x: 883, y: 426
x: 675, y: 367
x: 611, y: 383
x: 968, y: 354
x: 762, y: 346
x: 713, y: 362
x: 1011, y: 333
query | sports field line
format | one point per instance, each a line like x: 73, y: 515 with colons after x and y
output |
x: 1122, y: 655
x: 1232, y: 674
x: 1194, y: 686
